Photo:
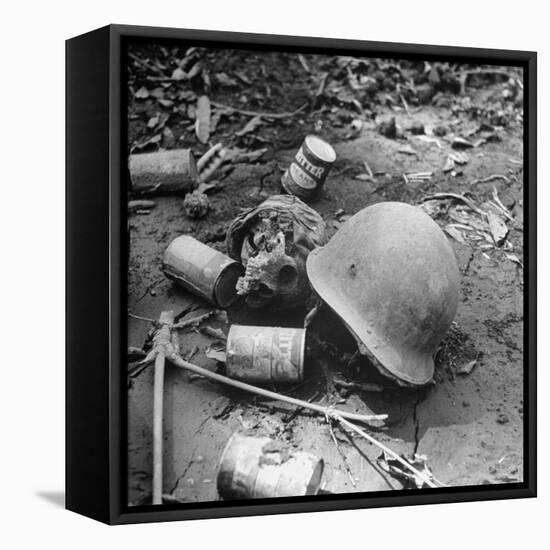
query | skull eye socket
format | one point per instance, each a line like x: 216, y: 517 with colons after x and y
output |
x: 264, y: 291
x: 287, y: 276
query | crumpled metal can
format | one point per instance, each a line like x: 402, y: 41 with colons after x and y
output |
x: 261, y: 467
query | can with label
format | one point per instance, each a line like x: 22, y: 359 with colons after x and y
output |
x: 265, y: 354
x: 202, y: 270
x: 261, y: 467
x: 309, y: 168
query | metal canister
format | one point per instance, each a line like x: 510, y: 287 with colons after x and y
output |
x: 173, y: 171
x: 202, y: 270
x: 265, y: 354
x: 261, y: 467
x: 309, y: 168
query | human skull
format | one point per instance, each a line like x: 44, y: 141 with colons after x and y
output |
x: 273, y: 241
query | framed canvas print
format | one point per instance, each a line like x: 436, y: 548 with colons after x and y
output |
x: 300, y: 274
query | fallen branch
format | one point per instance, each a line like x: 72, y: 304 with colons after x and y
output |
x: 179, y: 362
x: 258, y: 114
x: 162, y: 341
x: 369, y: 437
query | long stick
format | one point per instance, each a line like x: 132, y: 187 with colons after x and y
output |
x: 158, y: 402
x: 364, y: 434
x: 161, y: 342
x: 179, y: 362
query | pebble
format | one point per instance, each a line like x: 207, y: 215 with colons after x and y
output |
x: 502, y: 419
x: 417, y: 128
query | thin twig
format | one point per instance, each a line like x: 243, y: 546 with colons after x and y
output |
x: 505, y: 210
x: 405, y: 105
x: 179, y: 362
x: 194, y: 321
x: 462, y: 198
x: 256, y: 113
x: 140, y: 318
x: 492, y: 177
x: 144, y: 64
x: 342, y: 455
x: 369, y: 437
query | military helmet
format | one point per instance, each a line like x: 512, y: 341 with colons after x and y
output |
x: 391, y: 275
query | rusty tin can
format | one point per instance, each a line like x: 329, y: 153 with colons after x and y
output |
x: 265, y: 354
x: 202, y: 270
x: 261, y: 467
x: 309, y: 168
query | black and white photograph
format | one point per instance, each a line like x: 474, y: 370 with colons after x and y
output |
x: 325, y: 275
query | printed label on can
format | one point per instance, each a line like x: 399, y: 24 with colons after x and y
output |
x: 284, y: 366
x: 316, y: 172
x: 301, y: 177
x: 265, y: 353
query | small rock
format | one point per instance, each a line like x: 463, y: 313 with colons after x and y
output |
x: 461, y: 143
x: 502, y: 419
x: 196, y: 204
x: 388, y: 128
x: 417, y: 128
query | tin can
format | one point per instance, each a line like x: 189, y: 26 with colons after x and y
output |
x: 265, y: 354
x: 202, y: 270
x: 261, y: 467
x: 173, y: 171
x: 309, y: 168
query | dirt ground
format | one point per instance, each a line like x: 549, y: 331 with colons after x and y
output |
x: 469, y: 425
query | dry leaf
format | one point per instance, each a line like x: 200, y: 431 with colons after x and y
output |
x: 179, y: 74
x: 217, y: 355
x: 515, y: 259
x: 449, y: 164
x: 461, y: 143
x: 153, y: 121
x: 142, y: 93
x: 407, y: 150
x: 459, y: 158
x: 454, y: 233
x: 166, y: 102
x: 498, y: 228
x: 225, y: 80
x: 237, y: 156
x: 407, y: 477
x: 250, y: 126
x: 467, y: 368
x: 158, y: 93
x: 202, y: 123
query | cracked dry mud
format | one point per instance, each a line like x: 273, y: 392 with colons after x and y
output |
x: 470, y: 427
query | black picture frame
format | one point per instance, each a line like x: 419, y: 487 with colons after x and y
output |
x: 96, y: 242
